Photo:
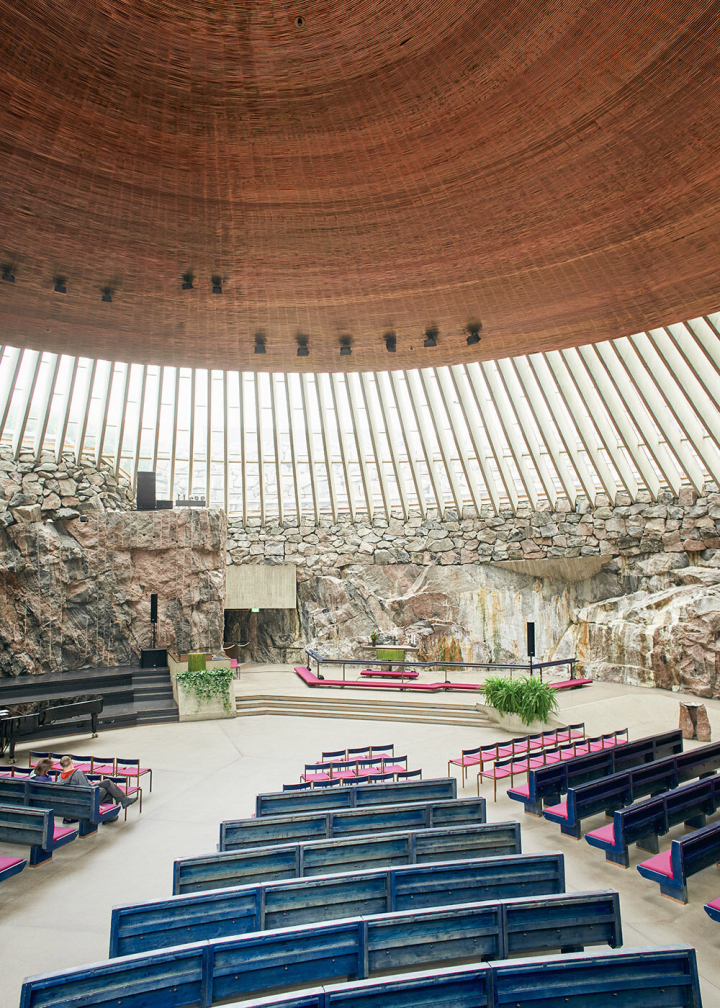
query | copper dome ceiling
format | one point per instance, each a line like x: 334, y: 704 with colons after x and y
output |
x: 552, y: 170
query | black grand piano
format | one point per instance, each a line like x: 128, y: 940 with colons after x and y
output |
x: 15, y: 726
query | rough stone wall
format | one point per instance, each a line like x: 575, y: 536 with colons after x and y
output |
x: 645, y: 538
x: 35, y: 489
x: 76, y: 594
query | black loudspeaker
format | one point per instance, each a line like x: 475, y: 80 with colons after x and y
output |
x: 163, y: 505
x: 146, y: 491
x: 153, y: 608
x: 531, y: 640
x: 153, y: 658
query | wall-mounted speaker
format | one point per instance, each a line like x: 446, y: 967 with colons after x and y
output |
x: 531, y: 640
x: 153, y: 608
x: 146, y: 491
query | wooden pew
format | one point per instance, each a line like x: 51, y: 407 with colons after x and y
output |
x: 324, y: 857
x: 65, y: 800
x: 546, y: 784
x: 201, y: 973
x: 643, y: 822
x: 270, y: 905
x: 34, y: 828
x: 10, y: 865
x: 288, y: 802
x: 688, y: 855
x: 712, y: 909
x: 240, y: 834
x: 360, y: 947
x: 610, y: 793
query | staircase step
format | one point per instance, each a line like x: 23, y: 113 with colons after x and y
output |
x: 367, y: 710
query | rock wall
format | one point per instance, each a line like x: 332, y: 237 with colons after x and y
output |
x: 76, y: 594
x: 476, y: 579
x: 35, y: 489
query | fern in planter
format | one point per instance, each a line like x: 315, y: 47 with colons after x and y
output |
x: 529, y: 698
x: 208, y: 684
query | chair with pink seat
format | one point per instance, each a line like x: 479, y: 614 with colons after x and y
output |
x: 316, y: 772
x: 120, y: 782
x: 131, y: 768
x: 344, y: 770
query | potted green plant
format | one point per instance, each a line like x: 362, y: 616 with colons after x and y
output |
x: 204, y: 694
x: 519, y: 703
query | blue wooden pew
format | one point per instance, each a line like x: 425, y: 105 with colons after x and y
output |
x: 712, y: 909
x: 270, y: 905
x: 643, y: 822
x: 10, y: 865
x: 323, y: 857
x: 610, y: 793
x: 65, y: 800
x: 688, y: 855
x: 240, y: 834
x: 34, y: 828
x: 546, y: 784
x: 358, y: 947
x: 288, y: 802
x: 198, y: 974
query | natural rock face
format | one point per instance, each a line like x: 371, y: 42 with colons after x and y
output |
x: 77, y: 594
x: 668, y: 638
x: 482, y: 608
x: 34, y: 489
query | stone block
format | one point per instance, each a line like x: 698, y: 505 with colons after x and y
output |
x: 27, y: 513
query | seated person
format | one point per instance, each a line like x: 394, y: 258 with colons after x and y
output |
x: 41, y: 771
x: 110, y: 793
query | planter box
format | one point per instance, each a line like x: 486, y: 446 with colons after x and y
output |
x: 514, y: 723
x: 191, y: 707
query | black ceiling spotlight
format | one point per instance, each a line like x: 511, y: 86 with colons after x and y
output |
x: 391, y: 342
x: 107, y: 292
x: 473, y: 329
x: 187, y: 281
x: 431, y: 335
x: 345, y: 346
x: 259, y: 342
x: 8, y: 273
x: 60, y: 285
x: 216, y: 284
x: 302, y: 342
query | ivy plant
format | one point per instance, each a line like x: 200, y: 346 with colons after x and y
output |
x: 208, y: 684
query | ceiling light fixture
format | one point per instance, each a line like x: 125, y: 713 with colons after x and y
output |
x: 302, y: 342
x: 187, y: 281
x: 431, y: 335
x: 391, y: 342
x: 345, y: 346
x: 7, y: 273
x: 473, y: 329
x: 60, y: 285
x: 216, y: 284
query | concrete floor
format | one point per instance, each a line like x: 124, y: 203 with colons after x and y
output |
x: 58, y: 915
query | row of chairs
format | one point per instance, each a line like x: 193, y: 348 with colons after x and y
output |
x: 347, y: 769
x: 515, y: 747
x: 515, y: 767
x: 364, y: 752
x: 381, y: 778
x: 108, y: 766
x: 122, y: 782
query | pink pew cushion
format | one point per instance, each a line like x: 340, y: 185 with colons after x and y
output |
x: 108, y: 808
x: 605, y: 833
x: 560, y: 810
x: 60, y: 831
x: 661, y: 863
x: 715, y: 904
x: 523, y: 789
x: 9, y: 862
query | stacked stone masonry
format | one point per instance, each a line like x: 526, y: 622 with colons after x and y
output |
x: 45, y: 488
x: 645, y: 537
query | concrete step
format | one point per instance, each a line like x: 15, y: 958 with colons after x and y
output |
x: 366, y: 710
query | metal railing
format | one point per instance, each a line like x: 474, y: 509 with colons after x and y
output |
x: 531, y: 667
